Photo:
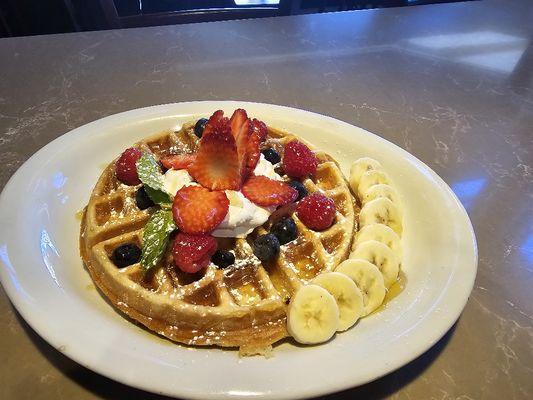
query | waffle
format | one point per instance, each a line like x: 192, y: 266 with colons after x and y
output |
x: 241, y: 306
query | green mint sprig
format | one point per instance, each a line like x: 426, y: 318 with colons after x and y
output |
x: 156, y: 235
x: 152, y: 178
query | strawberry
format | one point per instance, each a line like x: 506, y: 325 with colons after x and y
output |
x: 316, y: 211
x: 126, y: 168
x: 178, y: 161
x: 216, y: 165
x: 267, y: 192
x: 199, y: 210
x: 260, y: 129
x: 242, y: 131
x: 193, y: 252
x: 248, y: 138
x: 252, y: 155
x: 298, y: 160
x: 217, y: 121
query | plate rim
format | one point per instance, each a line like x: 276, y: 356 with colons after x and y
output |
x: 23, y: 308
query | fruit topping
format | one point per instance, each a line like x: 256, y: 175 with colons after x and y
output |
x: 316, y: 211
x: 199, y: 210
x: 285, y: 230
x: 271, y: 155
x: 217, y: 121
x: 260, y: 129
x: 142, y: 199
x: 298, y: 160
x: 223, y: 258
x: 126, y: 254
x: 267, y: 192
x: 216, y: 166
x: 253, y: 154
x: 241, y: 129
x: 178, y: 161
x: 193, y: 252
x: 266, y: 247
x: 125, y: 167
x: 299, y: 186
x: 199, y: 127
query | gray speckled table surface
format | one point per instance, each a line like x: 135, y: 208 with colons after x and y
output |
x: 450, y: 83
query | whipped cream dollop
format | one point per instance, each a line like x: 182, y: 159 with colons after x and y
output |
x: 243, y: 216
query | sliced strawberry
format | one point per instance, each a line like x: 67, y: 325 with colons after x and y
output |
x: 198, y: 210
x: 217, y: 121
x: 237, y: 120
x: 253, y: 153
x: 178, y: 161
x: 267, y: 192
x: 216, y: 166
x: 260, y: 128
x: 242, y: 131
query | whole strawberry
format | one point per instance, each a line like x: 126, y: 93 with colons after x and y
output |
x: 193, y: 252
x: 298, y: 160
x: 125, y: 167
x: 316, y: 211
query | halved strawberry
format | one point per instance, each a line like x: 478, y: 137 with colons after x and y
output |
x: 216, y: 165
x: 267, y: 192
x: 260, y: 128
x: 178, y: 161
x: 198, y: 210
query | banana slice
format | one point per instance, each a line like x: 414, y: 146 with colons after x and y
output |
x: 369, y: 179
x: 347, y: 295
x: 369, y: 280
x: 381, y: 256
x: 381, y: 190
x: 381, y: 211
x: 312, y: 315
x: 382, y: 233
x: 358, y: 168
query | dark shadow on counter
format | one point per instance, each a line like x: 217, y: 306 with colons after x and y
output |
x: 112, y: 390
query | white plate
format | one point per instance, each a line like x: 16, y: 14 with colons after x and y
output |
x: 44, y: 278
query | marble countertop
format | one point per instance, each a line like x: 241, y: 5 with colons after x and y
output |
x: 450, y: 83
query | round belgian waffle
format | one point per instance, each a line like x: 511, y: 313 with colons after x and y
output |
x: 243, y: 305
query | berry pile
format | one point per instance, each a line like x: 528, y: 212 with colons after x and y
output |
x: 228, y: 153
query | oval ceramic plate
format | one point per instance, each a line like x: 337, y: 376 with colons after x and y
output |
x: 44, y: 277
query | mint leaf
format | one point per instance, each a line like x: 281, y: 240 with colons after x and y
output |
x: 150, y: 174
x: 156, y: 235
x: 158, y: 196
x: 149, y: 171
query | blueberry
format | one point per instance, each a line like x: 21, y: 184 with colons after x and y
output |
x: 271, y: 155
x: 302, y: 191
x: 199, y: 127
x: 126, y: 254
x: 285, y: 230
x: 223, y: 258
x: 266, y: 247
x: 142, y: 200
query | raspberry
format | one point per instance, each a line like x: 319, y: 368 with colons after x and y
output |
x: 298, y: 160
x: 125, y: 167
x: 316, y: 211
x: 193, y: 252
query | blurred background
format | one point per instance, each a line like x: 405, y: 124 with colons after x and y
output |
x: 36, y: 17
